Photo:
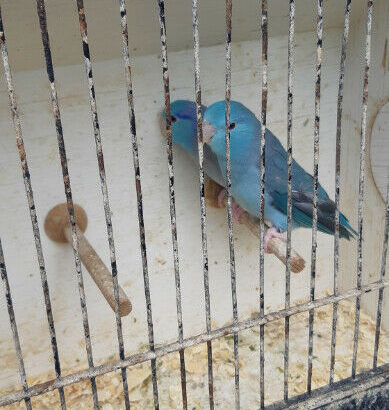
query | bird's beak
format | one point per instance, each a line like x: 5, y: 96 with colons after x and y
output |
x: 208, y: 132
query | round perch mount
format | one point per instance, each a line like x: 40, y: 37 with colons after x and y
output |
x: 58, y: 219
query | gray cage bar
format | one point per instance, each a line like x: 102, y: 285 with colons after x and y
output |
x: 68, y: 191
x: 135, y: 157
x: 337, y: 182
x: 203, y: 221
x: 382, y: 277
x: 31, y: 205
x: 289, y: 200
x: 14, y: 327
x: 262, y: 204
x: 361, y: 195
x: 172, y: 200
x: 319, y: 30
x: 229, y: 197
x: 104, y: 188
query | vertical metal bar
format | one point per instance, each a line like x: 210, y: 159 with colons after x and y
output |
x: 229, y: 197
x: 262, y: 204
x: 11, y: 313
x: 362, y: 181
x: 135, y: 157
x: 68, y: 191
x: 31, y: 206
x: 200, y: 143
x: 165, y: 71
x: 315, y: 183
x: 104, y: 188
x: 337, y: 183
x: 289, y: 201
x: 382, y: 276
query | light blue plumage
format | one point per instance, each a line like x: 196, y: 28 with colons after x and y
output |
x: 245, y: 132
x: 184, y: 134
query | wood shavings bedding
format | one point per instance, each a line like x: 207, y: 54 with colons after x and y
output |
x: 109, y: 386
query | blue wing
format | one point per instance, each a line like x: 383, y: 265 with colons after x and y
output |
x: 302, y: 192
x: 245, y: 172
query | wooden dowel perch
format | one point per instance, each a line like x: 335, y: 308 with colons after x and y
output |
x: 276, y: 245
x: 58, y: 229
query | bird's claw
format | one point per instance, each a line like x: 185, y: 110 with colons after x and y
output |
x: 237, y: 212
x: 221, y: 197
x: 272, y: 233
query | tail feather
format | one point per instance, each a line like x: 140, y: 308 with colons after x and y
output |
x: 345, y: 229
x: 303, y: 212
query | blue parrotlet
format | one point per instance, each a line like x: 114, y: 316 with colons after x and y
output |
x: 245, y: 132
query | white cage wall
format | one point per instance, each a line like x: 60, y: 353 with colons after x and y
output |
x: 25, y: 52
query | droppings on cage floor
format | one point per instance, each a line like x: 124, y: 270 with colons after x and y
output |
x: 78, y: 396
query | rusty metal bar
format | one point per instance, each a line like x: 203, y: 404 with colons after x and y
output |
x: 319, y: 44
x: 165, y: 72
x: 262, y: 203
x: 11, y: 314
x: 382, y: 277
x: 104, y: 188
x: 369, y: 390
x: 229, y: 197
x: 189, y: 342
x: 289, y: 200
x: 31, y: 205
x: 362, y: 181
x: 337, y: 182
x: 68, y: 192
x: 200, y: 144
x: 135, y: 157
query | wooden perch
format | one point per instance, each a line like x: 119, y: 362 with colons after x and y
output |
x: 276, y: 245
x: 58, y: 229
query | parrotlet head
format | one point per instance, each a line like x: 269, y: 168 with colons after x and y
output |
x: 184, y: 124
x: 243, y: 127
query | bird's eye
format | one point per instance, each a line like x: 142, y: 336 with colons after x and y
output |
x: 174, y: 119
x: 232, y: 126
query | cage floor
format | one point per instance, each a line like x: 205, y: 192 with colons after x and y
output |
x: 139, y: 378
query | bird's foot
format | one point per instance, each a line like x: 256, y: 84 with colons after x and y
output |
x: 221, y: 197
x: 272, y: 233
x: 237, y: 212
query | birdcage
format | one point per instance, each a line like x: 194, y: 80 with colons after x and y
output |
x: 132, y: 289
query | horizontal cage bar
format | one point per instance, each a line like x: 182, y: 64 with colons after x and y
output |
x: 189, y: 342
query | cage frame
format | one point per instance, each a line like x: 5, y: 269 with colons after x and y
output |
x: 367, y: 387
